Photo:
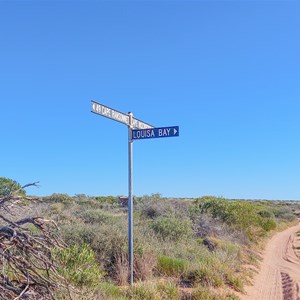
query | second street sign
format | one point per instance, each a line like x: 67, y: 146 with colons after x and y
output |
x: 158, y: 132
x: 110, y: 113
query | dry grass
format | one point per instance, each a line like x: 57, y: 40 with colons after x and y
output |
x: 173, y: 229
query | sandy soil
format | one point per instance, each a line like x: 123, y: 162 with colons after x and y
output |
x: 279, y: 275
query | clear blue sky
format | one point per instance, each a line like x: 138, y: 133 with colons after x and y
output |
x: 226, y: 72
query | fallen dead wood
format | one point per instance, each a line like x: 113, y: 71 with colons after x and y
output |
x: 28, y: 269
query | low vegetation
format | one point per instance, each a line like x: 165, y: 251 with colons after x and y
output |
x: 183, y: 248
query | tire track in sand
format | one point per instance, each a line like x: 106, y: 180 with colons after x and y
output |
x: 279, y: 275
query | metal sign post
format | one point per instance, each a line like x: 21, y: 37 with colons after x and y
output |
x: 130, y: 200
x: 137, y: 129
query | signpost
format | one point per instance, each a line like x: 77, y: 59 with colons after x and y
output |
x: 137, y: 130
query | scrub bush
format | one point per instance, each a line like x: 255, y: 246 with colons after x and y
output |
x: 202, y: 293
x: 241, y: 215
x: 153, y: 207
x: 9, y: 187
x: 57, y: 197
x: 211, y: 271
x: 165, y: 290
x: 266, y: 213
x: 57, y: 208
x: 108, y: 199
x: 172, y: 228
x: 268, y: 224
x: 170, y: 266
x: 144, y: 265
x: 108, y: 291
x: 96, y: 216
x: 78, y: 265
x: 205, y: 275
x: 288, y: 217
x: 78, y: 233
x: 285, y: 213
x: 110, y: 245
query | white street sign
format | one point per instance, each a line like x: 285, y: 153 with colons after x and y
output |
x: 110, y: 113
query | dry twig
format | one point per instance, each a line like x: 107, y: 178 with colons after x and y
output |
x: 28, y: 270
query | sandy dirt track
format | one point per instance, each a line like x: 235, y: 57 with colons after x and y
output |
x: 279, y: 275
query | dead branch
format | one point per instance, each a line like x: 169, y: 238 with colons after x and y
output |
x: 28, y: 269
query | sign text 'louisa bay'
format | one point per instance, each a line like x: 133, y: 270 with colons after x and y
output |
x: 158, y: 132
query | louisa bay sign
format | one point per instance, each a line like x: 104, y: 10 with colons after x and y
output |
x: 157, y: 132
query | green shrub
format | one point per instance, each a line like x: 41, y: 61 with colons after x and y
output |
x: 241, y: 215
x: 171, y: 266
x: 8, y: 186
x: 107, y: 199
x: 231, y: 296
x: 268, y: 224
x: 109, y: 244
x: 57, y: 197
x: 285, y: 214
x: 231, y: 212
x: 56, y: 208
x: 33, y: 229
x: 139, y: 292
x: 90, y: 203
x: 108, y: 290
x: 288, y: 216
x: 202, y: 293
x: 266, y: 213
x: 172, y: 228
x: 205, y: 275
x: 229, y: 253
x: 78, y: 265
x: 81, y: 197
x: 234, y: 281
x: 214, y: 271
x: 168, y: 291
x: 153, y: 291
x: 96, y: 216
x: 78, y: 233
x: 153, y: 207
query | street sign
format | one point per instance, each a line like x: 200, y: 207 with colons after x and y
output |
x: 143, y: 131
x: 136, y: 123
x: 110, y: 113
x: 159, y: 132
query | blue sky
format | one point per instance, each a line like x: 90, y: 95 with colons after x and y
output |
x: 226, y: 72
